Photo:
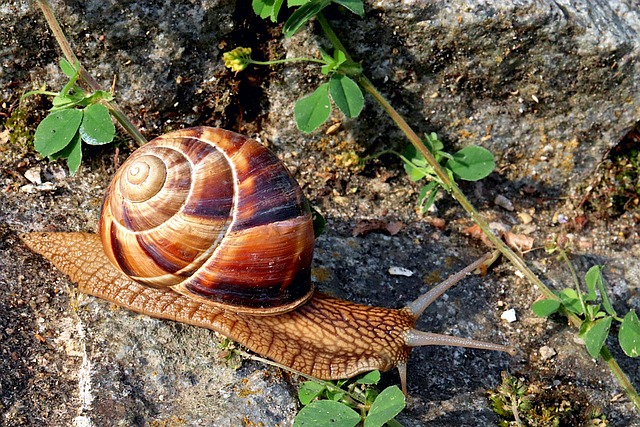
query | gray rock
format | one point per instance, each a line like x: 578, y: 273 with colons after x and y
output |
x: 549, y: 87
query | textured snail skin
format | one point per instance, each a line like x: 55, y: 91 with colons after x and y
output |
x: 326, y: 338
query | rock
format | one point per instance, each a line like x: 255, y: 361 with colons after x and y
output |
x: 509, y: 315
x: 547, y: 86
x: 546, y: 352
x: 503, y: 202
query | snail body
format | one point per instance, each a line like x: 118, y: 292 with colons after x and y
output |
x: 237, y: 259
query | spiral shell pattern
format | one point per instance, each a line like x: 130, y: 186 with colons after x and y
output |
x: 213, y: 215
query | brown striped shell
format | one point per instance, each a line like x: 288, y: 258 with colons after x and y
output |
x: 213, y: 215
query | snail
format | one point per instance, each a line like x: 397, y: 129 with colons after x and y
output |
x: 207, y: 227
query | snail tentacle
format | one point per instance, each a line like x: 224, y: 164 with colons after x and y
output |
x: 418, y: 306
x: 417, y: 338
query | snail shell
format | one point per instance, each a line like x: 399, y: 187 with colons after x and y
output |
x: 241, y: 238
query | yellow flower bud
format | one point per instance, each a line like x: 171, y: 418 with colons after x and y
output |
x: 237, y: 59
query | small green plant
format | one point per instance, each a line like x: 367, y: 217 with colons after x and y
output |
x: 596, y: 317
x: 510, y: 399
x: 314, y: 109
x: 520, y: 405
x: 75, y: 116
x: 346, y: 403
x: 472, y: 163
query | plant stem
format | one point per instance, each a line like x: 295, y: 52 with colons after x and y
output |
x: 622, y: 378
x: 457, y: 194
x: 84, y: 75
x: 576, y: 282
x: 282, y: 61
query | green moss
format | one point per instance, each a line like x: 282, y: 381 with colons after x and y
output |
x: 20, y: 130
x: 540, y: 405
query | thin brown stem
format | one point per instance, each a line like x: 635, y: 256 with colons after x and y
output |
x: 622, y: 378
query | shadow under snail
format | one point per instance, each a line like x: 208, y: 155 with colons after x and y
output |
x: 207, y: 227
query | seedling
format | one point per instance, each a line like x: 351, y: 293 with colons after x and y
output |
x: 346, y: 403
x: 75, y: 116
x: 472, y: 163
x: 596, y: 317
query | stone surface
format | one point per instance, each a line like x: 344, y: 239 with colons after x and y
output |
x: 547, y: 86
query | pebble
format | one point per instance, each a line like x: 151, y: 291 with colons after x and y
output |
x: 33, y: 175
x: 503, y: 202
x: 546, y: 352
x: 400, y: 271
x: 509, y: 315
x: 525, y: 218
x: 31, y: 188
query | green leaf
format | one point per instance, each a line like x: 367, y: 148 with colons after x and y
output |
x: 56, y: 131
x: 335, y: 395
x: 592, y: 311
x: 97, y: 127
x: 68, y: 69
x: 414, y: 172
x: 387, y: 405
x: 309, y: 390
x: 73, y: 154
x: 415, y: 164
x: 303, y: 14
x: 313, y: 110
x: 267, y: 8
x: 346, y: 94
x: 593, y: 276
x: 354, y: 6
x: 326, y: 413
x: 293, y: 3
x: 629, y: 334
x: 339, y: 57
x: 600, y: 284
x: 545, y: 307
x: 472, y: 163
x: 428, y: 195
x: 276, y: 9
x: 433, y: 144
x: 262, y: 8
x: 370, y: 378
x: 338, y: 61
x: 594, y: 334
x: 414, y: 156
x: 570, y: 300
